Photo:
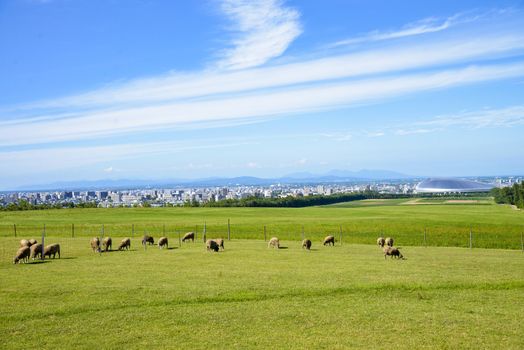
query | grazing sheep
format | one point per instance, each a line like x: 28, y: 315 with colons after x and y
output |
x: 329, y: 240
x: 24, y: 243
x: 220, y: 243
x: 32, y: 241
x: 108, y: 244
x: 393, y: 252
x: 306, y: 244
x: 381, y: 241
x: 212, y: 245
x: 162, y: 242
x: 36, y: 250
x: 22, y: 255
x: 52, y: 249
x: 274, y: 242
x: 389, y: 242
x: 125, y: 244
x: 148, y: 239
x: 189, y: 235
x: 95, y: 244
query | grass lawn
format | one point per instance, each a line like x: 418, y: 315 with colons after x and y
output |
x: 250, y: 296
x: 492, y: 226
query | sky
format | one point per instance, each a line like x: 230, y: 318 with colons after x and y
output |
x: 144, y: 89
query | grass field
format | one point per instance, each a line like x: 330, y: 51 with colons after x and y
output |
x: 250, y: 296
x: 492, y: 226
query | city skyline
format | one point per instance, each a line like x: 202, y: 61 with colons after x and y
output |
x: 265, y: 88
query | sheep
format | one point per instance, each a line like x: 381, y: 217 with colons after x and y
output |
x: 36, y: 250
x: 274, y: 242
x: 381, y: 241
x: 162, y: 242
x: 148, y: 239
x: 95, y: 244
x: 220, y: 243
x: 108, y: 244
x: 389, y: 242
x: 52, y: 249
x: 306, y: 244
x: 212, y: 245
x: 189, y: 235
x: 24, y: 243
x: 32, y: 241
x: 125, y: 244
x: 329, y: 240
x: 22, y: 255
x: 393, y: 252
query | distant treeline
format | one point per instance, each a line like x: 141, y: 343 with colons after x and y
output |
x: 298, y: 202
x: 510, y: 195
x: 25, y: 205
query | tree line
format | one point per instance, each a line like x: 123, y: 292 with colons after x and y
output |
x: 510, y: 195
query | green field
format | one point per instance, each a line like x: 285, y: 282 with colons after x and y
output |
x: 250, y: 296
x: 445, y: 224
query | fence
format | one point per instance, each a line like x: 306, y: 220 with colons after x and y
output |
x: 432, y: 235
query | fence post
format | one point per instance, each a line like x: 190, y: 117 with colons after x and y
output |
x: 204, y: 235
x: 228, y: 230
x: 425, y: 239
x: 470, y: 237
x: 340, y: 230
x: 265, y: 236
x: 72, y: 230
x: 14, y: 226
x: 43, y: 244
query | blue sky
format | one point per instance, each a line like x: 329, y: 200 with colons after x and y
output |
x: 171, y: 89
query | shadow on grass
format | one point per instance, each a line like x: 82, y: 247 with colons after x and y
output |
x: 171, y: 248
x: 283, y: 248
x: 39, y: 262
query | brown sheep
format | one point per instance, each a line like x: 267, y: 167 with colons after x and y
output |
x: 381, y: 241
x: 52, y: 249
x: 220, y: 243
x: 162, y: 242
x: 125, y: 244
x: 306, y: 244
x: 22, y: 255
x: 189, y: 236
x: 274, y: 242
x: 393, y: 252
x: 389, y: 242
x: 329, y: 240
x: 108, y: 244
x: 24, y: 243
x: 95, y: 244
x: 148, y: 239
x: 32, y: 241
x: 36, y: 250
x: 212, y: 245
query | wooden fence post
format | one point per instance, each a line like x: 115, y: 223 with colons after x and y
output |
x: 265, y: 236
x: 72, y: 230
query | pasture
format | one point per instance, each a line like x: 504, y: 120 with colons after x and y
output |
x: 360, y: 222
x: 249, y: 297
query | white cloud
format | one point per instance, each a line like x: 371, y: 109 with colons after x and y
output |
x: 258, y: 104
x: 423, y: 26
x: 108, y: 170
x: 264, y: 29
x: 253, y: 165
x: 301, y: 161
x: 376, y: 134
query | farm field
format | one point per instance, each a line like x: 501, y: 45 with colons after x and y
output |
x: 491, y: 226
x: 249, y: 297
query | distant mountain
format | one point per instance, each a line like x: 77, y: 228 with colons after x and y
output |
x: 294, y: 178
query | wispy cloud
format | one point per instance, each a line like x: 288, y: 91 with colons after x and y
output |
x: 263, y: 30
x: 486, y: 118
x: 423, y: 26
x: 337, y: 136
x: 258, y: 104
